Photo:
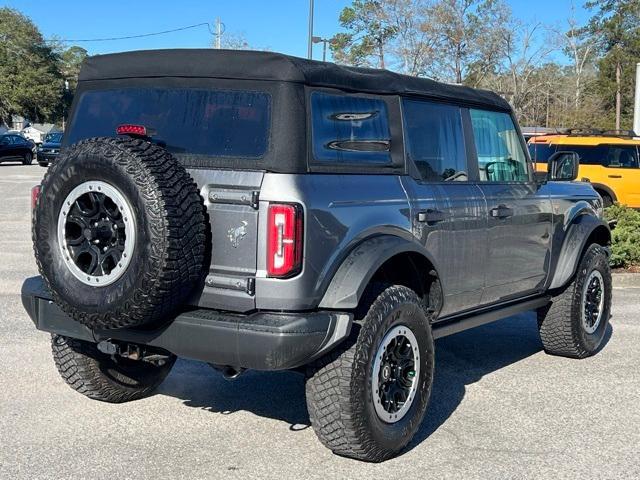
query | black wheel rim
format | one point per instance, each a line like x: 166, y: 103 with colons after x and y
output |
x: 592, y: 301
x: 96, y: 233
x: 395, y: 374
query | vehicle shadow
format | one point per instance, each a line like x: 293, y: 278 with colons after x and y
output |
x: 461, y: 360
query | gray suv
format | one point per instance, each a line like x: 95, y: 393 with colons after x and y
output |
x: 258, y: 211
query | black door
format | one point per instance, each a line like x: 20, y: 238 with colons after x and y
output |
x: 519, y: 217
x: 6, y: 147
x: 449, y: 209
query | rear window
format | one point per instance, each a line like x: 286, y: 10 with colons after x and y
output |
x: 350, y: 130
x: 219, y: 123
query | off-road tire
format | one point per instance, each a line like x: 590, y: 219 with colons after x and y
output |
x: 100, y: 377
x: 27, y: 159
x: 339, y: 387
x: 169, y: 253
x: 607, y: 201
x: 560, y: 323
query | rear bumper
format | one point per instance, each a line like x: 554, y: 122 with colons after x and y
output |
x: 261, y: 340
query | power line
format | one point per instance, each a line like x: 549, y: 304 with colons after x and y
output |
x: 77, y: 40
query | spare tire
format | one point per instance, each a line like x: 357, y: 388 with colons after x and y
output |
x: 119, y: 233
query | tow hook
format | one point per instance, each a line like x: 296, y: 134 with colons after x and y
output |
x: 132, y: 352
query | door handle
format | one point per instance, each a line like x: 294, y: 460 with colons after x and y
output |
x: 431, y: 216
x: 615, y: 176
x: 501, y: 211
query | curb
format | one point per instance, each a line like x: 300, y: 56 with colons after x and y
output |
x: 626, y: 280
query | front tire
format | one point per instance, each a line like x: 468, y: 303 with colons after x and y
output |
x: 27, y: 159
x: 100, y: 376
x: 574, y: 324
x: 367, y: 398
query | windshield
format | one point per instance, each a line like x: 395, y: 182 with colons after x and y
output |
x: 219, y: 123
x: 53, y: 137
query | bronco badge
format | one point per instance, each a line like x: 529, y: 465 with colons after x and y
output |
x: 237, y: 234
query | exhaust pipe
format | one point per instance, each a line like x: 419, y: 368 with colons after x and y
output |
x: 229, y: 372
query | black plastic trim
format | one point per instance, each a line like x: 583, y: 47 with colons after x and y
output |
x: 459, y: 324
x: 261, y: 340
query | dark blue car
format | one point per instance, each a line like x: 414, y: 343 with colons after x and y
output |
x: 50, y: 148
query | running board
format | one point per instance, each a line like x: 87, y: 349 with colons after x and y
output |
x: 453, y: 325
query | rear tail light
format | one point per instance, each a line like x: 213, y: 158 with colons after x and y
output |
x: 35, y: 193
x: 284, y: 240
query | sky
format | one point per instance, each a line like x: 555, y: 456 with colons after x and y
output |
x: 279, y: 25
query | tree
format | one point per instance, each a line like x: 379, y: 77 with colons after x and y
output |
x: 369, y: 32
x: 30, y: 80
x: 413, y: 46
x: 580, y: 48
x: 616, y: 27
x: 70, y: 62
x: 468, y: 34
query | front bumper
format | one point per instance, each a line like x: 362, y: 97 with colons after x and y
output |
x: 261, y: 340
x: 44, y: 157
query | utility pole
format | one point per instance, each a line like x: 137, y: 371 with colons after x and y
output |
x: 618, y: 95
x: 218, y: 33
x: 310, y: 39
x: 636, y: 103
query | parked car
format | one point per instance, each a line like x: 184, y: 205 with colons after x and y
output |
x: 255, y: 210
x: 14, y: 147
x: 50, y: 148
x: 608, y: 159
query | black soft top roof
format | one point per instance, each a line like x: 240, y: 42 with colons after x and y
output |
x: 242, y: 64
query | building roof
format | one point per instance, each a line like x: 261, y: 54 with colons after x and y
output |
x: 41, y: 127
x: 243, y: 64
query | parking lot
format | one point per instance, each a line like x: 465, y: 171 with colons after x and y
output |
x: 500, y: 408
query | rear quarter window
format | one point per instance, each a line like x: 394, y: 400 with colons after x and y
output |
x: 349, y: 129
x: 216, y: 123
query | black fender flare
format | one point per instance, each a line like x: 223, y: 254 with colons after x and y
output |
x: 357, y: 269
x: 574, y: 243
x: 606, y: 189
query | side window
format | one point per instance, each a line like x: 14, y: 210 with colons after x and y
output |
x: 540, y: 152
x: 500, y: 154
x: 5, y: 141
x: 349, y: 129
x: 434, y: 140
x: 620, y: 156
x: 589, y: 155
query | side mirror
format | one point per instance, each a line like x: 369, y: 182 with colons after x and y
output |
x: 563, y: 167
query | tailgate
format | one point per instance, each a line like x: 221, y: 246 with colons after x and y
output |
x: 231, y: 199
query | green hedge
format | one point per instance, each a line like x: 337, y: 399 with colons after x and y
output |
x: 625, y: 245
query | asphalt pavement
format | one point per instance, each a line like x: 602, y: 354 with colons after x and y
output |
x: 500, y: 407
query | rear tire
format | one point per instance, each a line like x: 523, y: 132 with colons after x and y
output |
x: 27, y: 159
x: 100, y: 377
x: 575, y: 322
x: 347, y: 411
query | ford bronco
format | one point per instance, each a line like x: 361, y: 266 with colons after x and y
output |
x: 259, y: 211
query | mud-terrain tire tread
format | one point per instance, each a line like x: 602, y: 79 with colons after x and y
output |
x: 560, y: 321
x: 173, y: 205
x: 336, y: 421
x: 78, y: 363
